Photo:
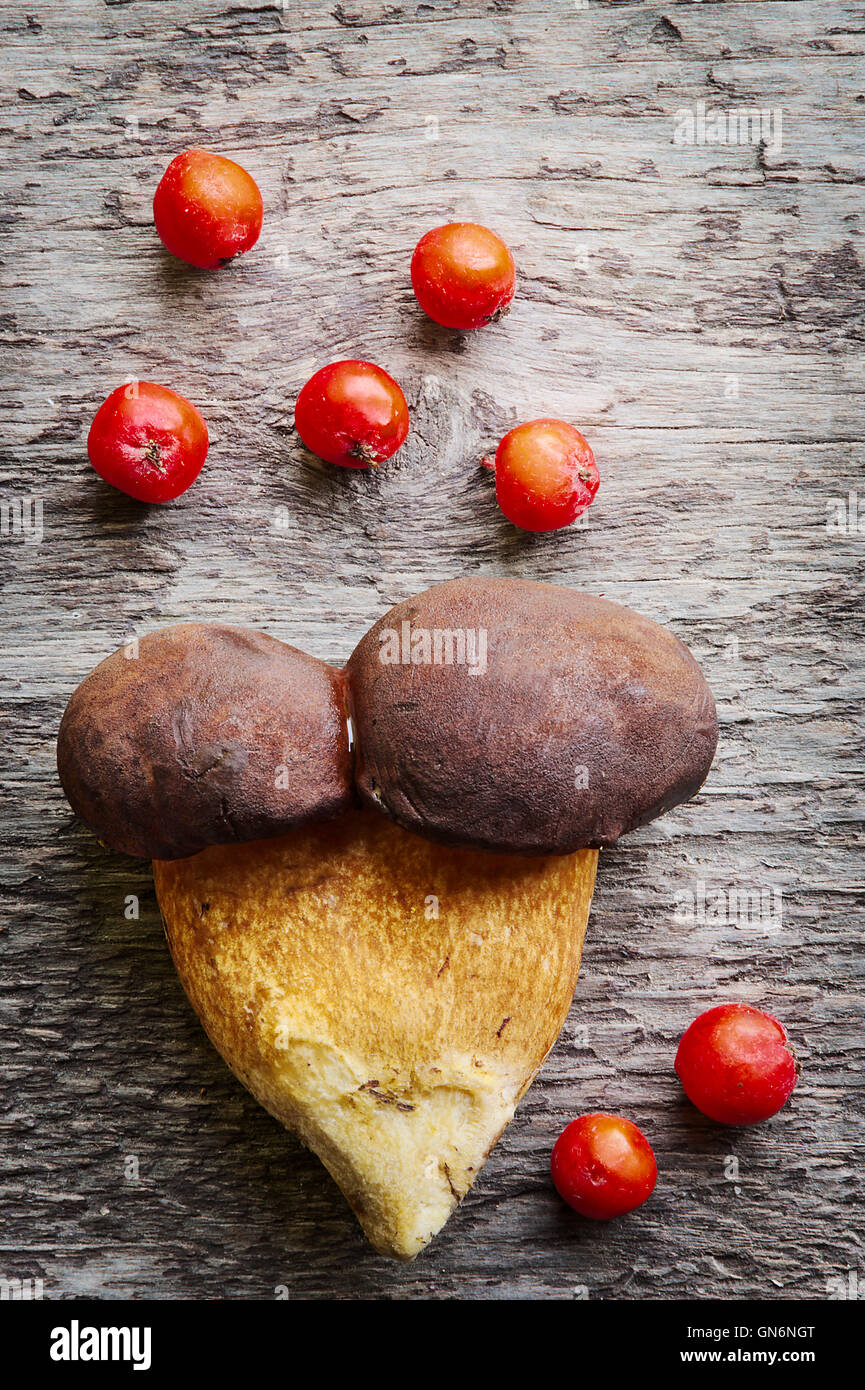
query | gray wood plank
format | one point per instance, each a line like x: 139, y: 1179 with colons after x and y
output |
x: 698, y: 311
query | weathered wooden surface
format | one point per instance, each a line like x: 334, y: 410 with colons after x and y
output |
x: 698, y: 311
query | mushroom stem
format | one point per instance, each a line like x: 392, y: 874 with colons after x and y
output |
x: 406, y: 994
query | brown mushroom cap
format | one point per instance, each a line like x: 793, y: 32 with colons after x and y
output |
x: 495, y: 713
x: 209, y: 734
x: 569, y: 721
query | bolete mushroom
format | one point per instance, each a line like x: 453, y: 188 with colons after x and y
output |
x: 388, y: 985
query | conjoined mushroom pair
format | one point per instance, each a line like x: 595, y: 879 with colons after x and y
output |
x: 375, y: 882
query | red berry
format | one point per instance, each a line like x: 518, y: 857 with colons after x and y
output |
x: 352, y: 413
x: 546, y: 475
x: 207, y: 209
x: 603, y: 1166
x: 148, y: 441
x: 463, y: 275
x: 735, y: 1064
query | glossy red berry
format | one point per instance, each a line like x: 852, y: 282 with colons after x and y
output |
x: 352, y: 413
x: 736, y: 1065
x: 603, y: 1166
x: 207, y: 209
x: 148, y: 441
x: 463, y: 275
x: 546, y: 475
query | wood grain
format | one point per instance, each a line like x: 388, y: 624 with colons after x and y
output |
x: 698, y: 312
